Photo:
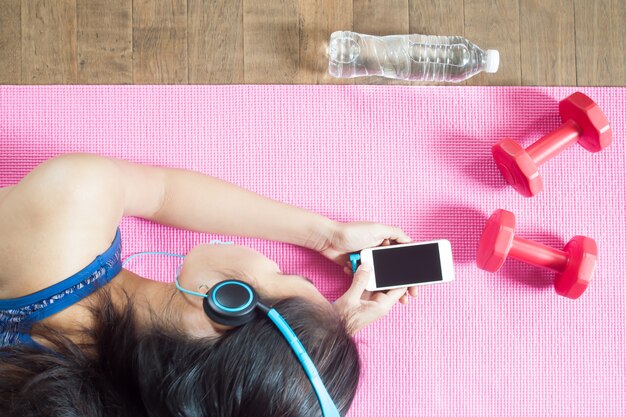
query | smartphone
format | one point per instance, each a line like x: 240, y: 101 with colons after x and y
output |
x: 409, y: 264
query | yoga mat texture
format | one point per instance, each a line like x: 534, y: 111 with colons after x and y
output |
x: 487, y: 344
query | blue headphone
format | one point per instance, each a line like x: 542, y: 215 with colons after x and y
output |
x: 234, y: 303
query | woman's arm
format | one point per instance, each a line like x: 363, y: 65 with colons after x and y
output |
x: 198, y: 202
x: 82, y: 186
x: 90, y: 193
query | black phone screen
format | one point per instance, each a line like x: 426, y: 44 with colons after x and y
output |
x: 407, y: 265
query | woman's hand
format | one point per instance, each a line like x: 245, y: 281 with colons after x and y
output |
x: 361, y: 308
x: 346, y: 238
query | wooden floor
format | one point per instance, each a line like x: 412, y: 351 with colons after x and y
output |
x: 541, y: 42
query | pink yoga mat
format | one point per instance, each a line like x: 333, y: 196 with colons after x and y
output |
x: 501, y: 344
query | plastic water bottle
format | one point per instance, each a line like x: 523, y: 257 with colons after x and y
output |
x: 408, y: 57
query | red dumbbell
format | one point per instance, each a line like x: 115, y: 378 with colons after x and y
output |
x: 583, y: 122
x: 574, y: 265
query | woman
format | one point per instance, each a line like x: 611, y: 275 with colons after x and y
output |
x: 82, y: 336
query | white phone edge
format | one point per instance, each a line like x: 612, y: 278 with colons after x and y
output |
x: 445, y: 257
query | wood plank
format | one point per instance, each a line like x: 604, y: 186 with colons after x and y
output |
x: 215, y: 36
x: 385, y: 17
x: 548, y: 44
x: 160, y: 42
x: 105, y: 42
x: 436, y: 17
x: 271, y: 41
x: 600, y: 40
x: 494, y: 24
x: 318, y: 19
x: 49, y: 42
x: 10, y: 42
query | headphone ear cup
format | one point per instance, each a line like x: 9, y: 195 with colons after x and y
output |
x: 226, y: 319
x: 231, y: 303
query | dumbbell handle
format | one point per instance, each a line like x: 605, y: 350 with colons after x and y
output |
x: 554, y: 142
x: 538, y: 254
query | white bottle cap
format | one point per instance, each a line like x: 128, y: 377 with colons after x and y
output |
x: 493, y: 61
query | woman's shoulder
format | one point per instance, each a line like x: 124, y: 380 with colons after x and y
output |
x: 54, y: 222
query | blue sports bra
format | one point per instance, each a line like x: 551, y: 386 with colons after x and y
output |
x: 17, y: 315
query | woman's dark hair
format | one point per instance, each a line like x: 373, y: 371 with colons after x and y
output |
x: 154, y: 371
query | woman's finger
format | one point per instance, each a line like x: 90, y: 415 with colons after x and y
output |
x: 388, y: 299
x: 359, y: 282
x: 413, y: 291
